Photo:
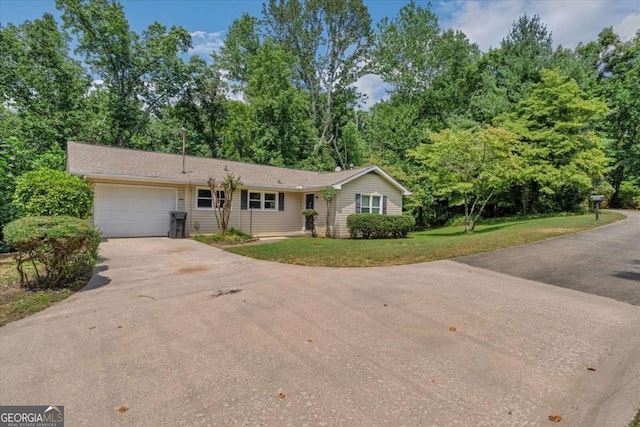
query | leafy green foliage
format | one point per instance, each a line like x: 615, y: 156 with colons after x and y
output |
x: 620, y: 88
x: 233, y: 236
x: 562, y: 153
x: 629, y: 195
x: 311, y: 215
x: 42, y: 83
x: 375, y: 226
x: 48, y: 192
x: 469, y: 166
x: 60, y: 248
x: 330, y: 40
x: 17, y: 158
x: 141, y: 71
x: 222, y: 208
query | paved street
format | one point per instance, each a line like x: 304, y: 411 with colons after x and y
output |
x: 604, y: 261
x: 173, y: 332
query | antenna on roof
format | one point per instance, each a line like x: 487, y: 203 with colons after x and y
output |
x: 184, y: 143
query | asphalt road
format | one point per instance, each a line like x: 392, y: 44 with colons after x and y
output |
x: 604, y: 261
x: 174, y: 332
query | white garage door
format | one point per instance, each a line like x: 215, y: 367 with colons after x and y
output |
x: 133, y: 211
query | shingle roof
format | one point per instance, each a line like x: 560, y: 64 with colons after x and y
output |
x: 102, y: 161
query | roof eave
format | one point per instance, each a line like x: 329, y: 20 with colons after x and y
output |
x: 338, y: 185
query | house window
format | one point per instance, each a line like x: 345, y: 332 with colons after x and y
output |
x: 262, y: 201
x: 370, y: 204
x: 270, y: 201
x: 255, y: 200
x: 204, y: 198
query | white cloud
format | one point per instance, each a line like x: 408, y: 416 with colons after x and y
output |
x: 570, y: 21
x: 205, y: 43
x: 373, y: 87
x: 628, y: 27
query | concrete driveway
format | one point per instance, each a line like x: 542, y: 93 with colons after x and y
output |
x: 180, y: 333
x: 604, y: 261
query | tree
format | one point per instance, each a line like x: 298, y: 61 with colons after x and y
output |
x: 141, y: 72
x: 469, y: 166
x: 330, y: 40
x: 405, y: 49
x: 509, y: 72
x: 283, y: 132
x: 48, y: 192
x: 620, y: 87
x: 561, y: 151
x: 431, y: 69
x: 223, y: 199
x: 41, y: 84
x: 240, y: 45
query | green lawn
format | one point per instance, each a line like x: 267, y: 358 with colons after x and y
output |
x: 440, y: 243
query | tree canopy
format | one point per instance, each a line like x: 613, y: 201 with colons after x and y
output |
x: 285, y: 89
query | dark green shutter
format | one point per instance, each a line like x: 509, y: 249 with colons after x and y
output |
x: 384, y: 205
x: 244, y: 195
x: 358, y: 203
x: 280, y: 201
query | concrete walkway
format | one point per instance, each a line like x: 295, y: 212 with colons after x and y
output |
x: 184, y: 334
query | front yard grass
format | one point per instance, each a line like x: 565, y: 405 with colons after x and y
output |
x: 17, y: 302
x: 430, y: 245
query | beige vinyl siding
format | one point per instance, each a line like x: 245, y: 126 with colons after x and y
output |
x: 273, y: 223
x: 369, y: 184
x: 203, y: 221
x: 259, y: 222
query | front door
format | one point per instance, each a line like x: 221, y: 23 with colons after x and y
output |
x: 308, y: 204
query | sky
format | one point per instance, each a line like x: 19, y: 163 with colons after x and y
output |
x: 485, y: 22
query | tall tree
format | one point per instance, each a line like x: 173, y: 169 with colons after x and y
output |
x: 140, y: 72
x: 41, y: 84
x: 426, y: 66
x: 241, y: 44
x: 620, y: 87
x: 405, y: 50
x: 562, y: 153
x: 330, y: 40
x: 509, y: 72
x: 283, y: 131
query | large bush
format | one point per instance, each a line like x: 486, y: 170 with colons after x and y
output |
x: 48, y: 192
x: 52, y: 251
x: 629, y: 195
x: 374, y: 226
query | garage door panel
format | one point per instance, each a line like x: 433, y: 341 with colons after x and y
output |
x: 133, y: 211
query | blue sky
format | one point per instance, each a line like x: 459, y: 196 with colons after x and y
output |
x: 485, y: 22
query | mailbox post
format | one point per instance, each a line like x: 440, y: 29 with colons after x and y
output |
x: 597, y: 199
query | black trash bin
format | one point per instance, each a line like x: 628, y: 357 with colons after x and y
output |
x: 177, y: 224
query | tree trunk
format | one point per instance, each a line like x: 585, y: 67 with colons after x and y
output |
x: 616, y: 202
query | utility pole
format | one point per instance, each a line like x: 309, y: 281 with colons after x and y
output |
x: 184, y: 143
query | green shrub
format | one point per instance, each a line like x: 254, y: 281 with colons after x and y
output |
x: 374, y: 226
x: 48, y: 192
x: 231, y: 237
x: 310, y: 215
x: 629, y: 195
x: 59, y: 249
